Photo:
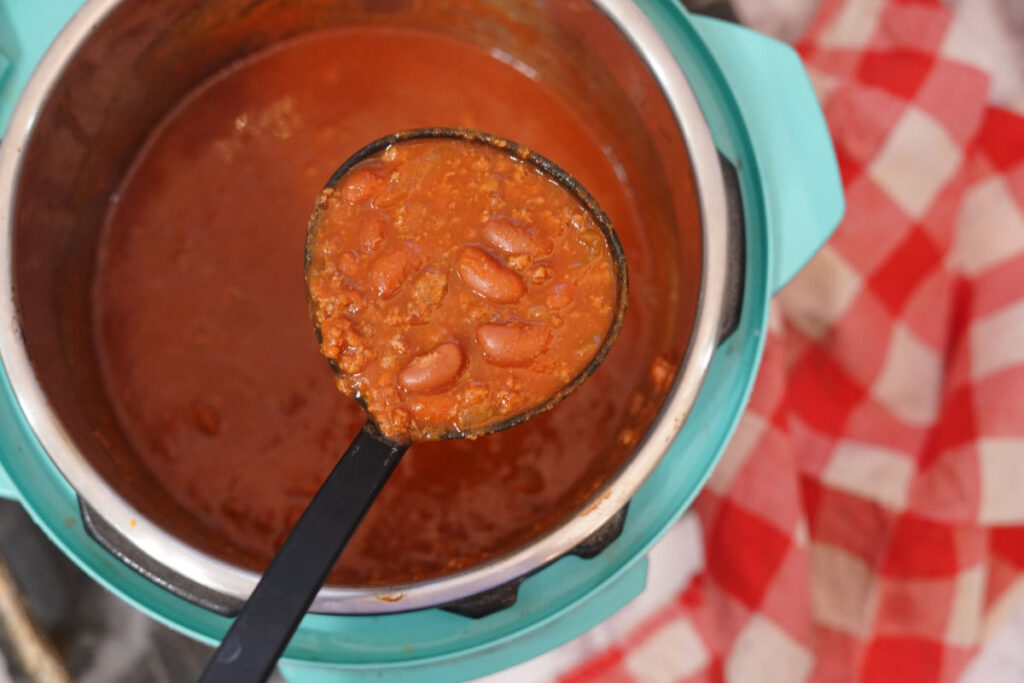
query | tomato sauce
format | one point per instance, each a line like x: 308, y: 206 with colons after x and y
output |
x: 457, y: 286
x: 204, y: 335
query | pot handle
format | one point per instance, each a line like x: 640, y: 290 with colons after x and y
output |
x: 7, y: 489
x: 25, y: 33
x: 550, y: 633
x: 793, y: 148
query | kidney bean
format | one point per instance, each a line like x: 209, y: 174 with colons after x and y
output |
x: 434, y: 370
x: 488, y: 277
x: 362, y: 184
x: 514, y: 342
x: 512, y: 237
x: 390, y: 271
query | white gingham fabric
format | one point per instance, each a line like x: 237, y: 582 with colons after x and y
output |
x: 867, y: 521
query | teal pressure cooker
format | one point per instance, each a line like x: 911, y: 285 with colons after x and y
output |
x: 726, y: 117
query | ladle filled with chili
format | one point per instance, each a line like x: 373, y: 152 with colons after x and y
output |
x: 459, y: 284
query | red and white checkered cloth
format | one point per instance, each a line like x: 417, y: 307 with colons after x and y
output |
x: 867, y: 522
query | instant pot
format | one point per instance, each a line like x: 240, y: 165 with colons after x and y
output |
x: 728, y: 120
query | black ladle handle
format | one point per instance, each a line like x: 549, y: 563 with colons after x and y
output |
x: 268, y: 619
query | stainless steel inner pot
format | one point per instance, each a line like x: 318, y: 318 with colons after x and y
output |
x: 120, y: 66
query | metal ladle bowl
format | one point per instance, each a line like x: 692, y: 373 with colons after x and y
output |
x: 273, y: 611
x: 551, y: 170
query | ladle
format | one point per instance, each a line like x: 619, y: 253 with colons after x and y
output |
x: 265, y: 624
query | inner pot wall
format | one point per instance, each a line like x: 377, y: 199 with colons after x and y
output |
x: 144, y: 57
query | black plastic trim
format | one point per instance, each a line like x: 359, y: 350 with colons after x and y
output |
x: 736, y: 251
x: 120, y: 547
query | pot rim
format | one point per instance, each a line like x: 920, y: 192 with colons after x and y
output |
x: 236, y: 583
